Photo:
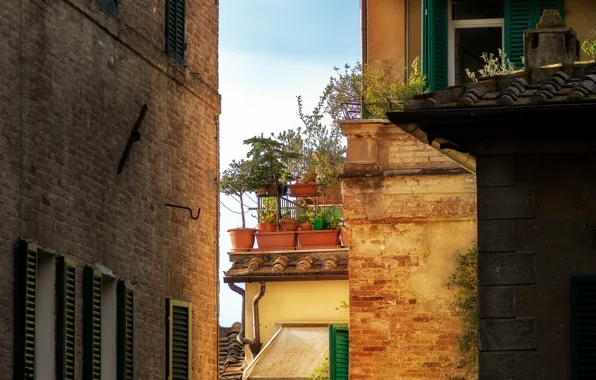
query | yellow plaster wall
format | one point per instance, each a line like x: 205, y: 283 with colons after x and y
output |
x: 386, y: 29
x: 296, y: 301
x: 581, y: 16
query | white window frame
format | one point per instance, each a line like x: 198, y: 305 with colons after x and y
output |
x: 461, y: 24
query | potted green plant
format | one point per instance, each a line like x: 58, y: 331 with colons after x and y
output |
x: 323, y: 237
x: 319, y: 220
x: 234, y: 183
x: 287, y: 222
x: 305, y: 220
x: 267, y: 218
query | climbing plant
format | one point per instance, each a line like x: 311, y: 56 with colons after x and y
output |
x: 589, y: 45
x: 321, y: 372
x: 465, y: 282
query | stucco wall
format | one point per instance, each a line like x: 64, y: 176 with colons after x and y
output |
x: 295, y: 301
x: 407, y: 225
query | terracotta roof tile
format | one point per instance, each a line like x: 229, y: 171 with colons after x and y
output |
x: 231, y: 353
x: 545, y: 85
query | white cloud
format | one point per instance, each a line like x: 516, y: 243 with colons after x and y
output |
x: 258, y: 96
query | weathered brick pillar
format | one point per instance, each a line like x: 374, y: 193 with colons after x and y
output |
x: 504, y: 268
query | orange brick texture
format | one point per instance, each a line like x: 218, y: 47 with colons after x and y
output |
x: 72, y: 85
x: 406, y: 229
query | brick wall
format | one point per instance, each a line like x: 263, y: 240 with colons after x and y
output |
x: 409, y: 215
x: 73, y: 83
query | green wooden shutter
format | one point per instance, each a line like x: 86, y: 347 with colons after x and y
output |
x: 178, y: 339
x: 92, y: 324
x: 110, y: 6
x: 174, y: 30
x: 434, y: 60
x: 519, y: 16
x: 125, y: 331
x: 24, y: 310
x: 338, y: 352
x: 583, y: 327
x: 65, y: 319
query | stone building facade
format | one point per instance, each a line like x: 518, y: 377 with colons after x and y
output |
x: 75, y: 77
x: 410, y: 210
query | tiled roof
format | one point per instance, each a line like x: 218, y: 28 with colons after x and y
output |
x: 231, y: 353
x: 292, y: 263
x: 555, y: 84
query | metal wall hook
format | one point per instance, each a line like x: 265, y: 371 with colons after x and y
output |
x: 186, y: 208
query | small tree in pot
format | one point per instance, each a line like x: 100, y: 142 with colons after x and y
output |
x: 235, y: 183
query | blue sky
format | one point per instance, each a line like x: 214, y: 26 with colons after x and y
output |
x: 270, y: 52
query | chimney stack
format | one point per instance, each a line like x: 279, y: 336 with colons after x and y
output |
x: 552, y: 42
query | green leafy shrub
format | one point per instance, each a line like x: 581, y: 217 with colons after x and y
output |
x: 493, y: 65
x: 321, y: 372
x: 465, y: 282
x: 589, y: 45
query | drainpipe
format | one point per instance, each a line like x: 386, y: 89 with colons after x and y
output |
x: 255, y: 346
x: 465, y: 160
x: 407, y: 34
x: 364, y: 21
x: 240, y: 291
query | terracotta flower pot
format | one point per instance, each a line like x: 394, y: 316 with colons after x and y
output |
x: 306, y: 227
x: 243, y: 239
x: 345, y: 236
x: 303, y: 189
x: 318, y: 238
x: 288, y: 225
x: 267, y: 227
x: 276, y: 240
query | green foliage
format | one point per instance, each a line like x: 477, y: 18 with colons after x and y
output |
x: 268, y: 211
x: 286, y: 213
x: 235, y: 182
x: 323, y: 149
x: 373, y: 87
x: 321, y: 372
x: 589, y: 45
x: 500, y: 65
x: 268, y: 159
x: 306, y: 217
x: 465, y: 282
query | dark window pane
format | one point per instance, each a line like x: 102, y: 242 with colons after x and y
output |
x: 470, y: 43
x: 477, y: 9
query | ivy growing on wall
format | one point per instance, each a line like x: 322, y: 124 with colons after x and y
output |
x: 465, y: 282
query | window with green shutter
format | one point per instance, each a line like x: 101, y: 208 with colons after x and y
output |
x: 24, y: 310
x: 92, y: 324
x: 110, y: 6
x: 125, y: 331
x: 178, y: 339
x: 434, y: 59
x: 583, y: 331
x: 338, y: 352
x: 519, y: 16
x: 65, y: 319
x: 174, y: 30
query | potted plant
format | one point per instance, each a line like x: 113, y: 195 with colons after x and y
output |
x: 287, y: 222
x: 319, y: 220
x: 305, y: 220
x: 234, y: 183
x: 267, y: 218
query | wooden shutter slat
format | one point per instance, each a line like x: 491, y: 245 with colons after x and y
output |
x: 179, y: 344
x: 125, y: 331
x: 174, y: 30
x: 92, y: 324
x: 338, y: 352
x: 435, y: 65
x: 24, y: 310
x: 519, y: 15
x: 65, y: 318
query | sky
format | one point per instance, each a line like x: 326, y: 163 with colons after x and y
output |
x: 270, y: 52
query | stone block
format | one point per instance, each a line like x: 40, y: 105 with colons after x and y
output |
x: 496, y: 235
x: 507, y: 334
x: 506, y: 269
x: 496, y: 171
x: 496, y: 366
x: 506, y: 203
x: 496, y: 302
x: 362, y: 150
